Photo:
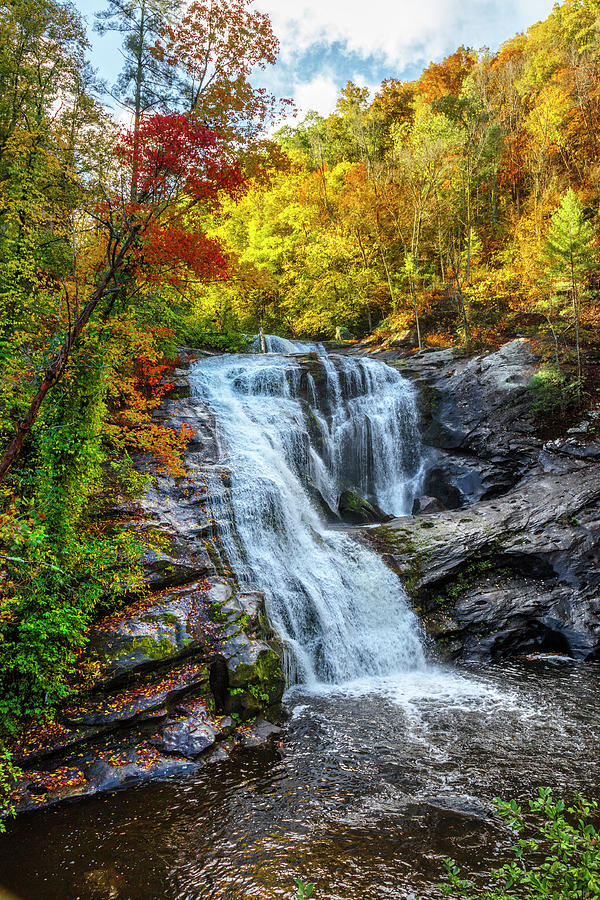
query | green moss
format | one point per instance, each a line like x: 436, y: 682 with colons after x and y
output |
x: 356, y: 509
x: 218, y: 613
x: 415, y: 555
x: 162, y: 619
x: 466, y: 578
x: 153, y: 648
x: 263, y: 680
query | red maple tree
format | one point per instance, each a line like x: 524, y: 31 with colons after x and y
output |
x: 177, y: 164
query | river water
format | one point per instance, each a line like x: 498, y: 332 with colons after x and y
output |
x: 367, y: 794
x: 389, y: 761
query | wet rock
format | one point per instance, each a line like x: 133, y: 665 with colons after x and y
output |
x: 424, y: 505
x: 462, y: 806
x: 248, y: 610
x: 515, y: 574
x: 261, y: 732
x: 189, y: 737
x: 218, y: 754
x: 175, y: 624
x: 125, y: 768
x: 145, y: 699
x: 256, y: 679
x: 356, y: 510
x: 218, y: 680
x: 41, y: 740
x: 105, y: 883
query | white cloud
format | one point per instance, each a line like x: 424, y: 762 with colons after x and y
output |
x: 320, y: 94
x: 399, y: 32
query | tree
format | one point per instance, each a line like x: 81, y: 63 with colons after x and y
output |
x: 426, y: 153
x: 569, y: 255
x: 445, y: 79
x: 177, y: 165
x: 212, y: 50
x: 145, y: 83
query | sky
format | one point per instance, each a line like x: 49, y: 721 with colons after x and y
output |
x: 325, y: 43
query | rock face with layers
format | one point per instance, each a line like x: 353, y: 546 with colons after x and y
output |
x: 512, y: 565
x: 477, y: 420
x: 182, y: 674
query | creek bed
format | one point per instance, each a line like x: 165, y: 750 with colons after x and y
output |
x: 372, y: 786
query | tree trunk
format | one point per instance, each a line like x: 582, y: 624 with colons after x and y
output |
x: 58, y: 363
x: 139, y: 78
x: 388, y: 277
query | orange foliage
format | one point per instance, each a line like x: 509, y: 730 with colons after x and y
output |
x: 136, y: 390
x: 441, y: 79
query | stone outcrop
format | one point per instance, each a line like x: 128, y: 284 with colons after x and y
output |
x: 512, y: 564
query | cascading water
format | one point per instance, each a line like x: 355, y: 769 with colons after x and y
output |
x: 276, y: 344
x: 293, y: 433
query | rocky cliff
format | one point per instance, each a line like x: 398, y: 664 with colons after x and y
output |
x: 503, y: 554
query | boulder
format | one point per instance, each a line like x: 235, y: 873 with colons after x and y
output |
x: 190, y: 737
x: 514, y: 574
x: 158, y: 630
x: 260, y: 732
x: 356, y: 510
x: 425, y: 505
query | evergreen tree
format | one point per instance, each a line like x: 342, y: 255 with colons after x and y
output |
x: 569, y: 255
x: 145, y: 82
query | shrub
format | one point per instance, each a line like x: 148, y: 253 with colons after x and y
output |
x: 557, y: 855
x: 551, y: 392
x: 8, y: 776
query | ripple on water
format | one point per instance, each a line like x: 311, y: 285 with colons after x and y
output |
x: 376, y: 782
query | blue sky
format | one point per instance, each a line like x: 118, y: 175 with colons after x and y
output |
x: 324, y: 43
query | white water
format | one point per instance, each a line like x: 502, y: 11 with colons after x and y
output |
x: 289, y: 437
x: 276, y: 344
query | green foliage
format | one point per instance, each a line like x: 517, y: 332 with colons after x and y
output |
x: 9, y: 773
x: 551, y: 393
x: 53, y: 591
x: 463, y: 581
x: 258, y: 694
x: 557, y: 855
x: 304, y: 890
x: 568, y: 247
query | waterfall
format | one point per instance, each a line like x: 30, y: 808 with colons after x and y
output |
x: 293, y: 432
x: 276, y: 344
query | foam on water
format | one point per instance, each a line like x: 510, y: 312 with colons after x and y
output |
x: 292, y: 439
x: 276, y: 344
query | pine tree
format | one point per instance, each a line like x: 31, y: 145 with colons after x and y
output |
x: 145, y: 83
x: 569, y: 255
